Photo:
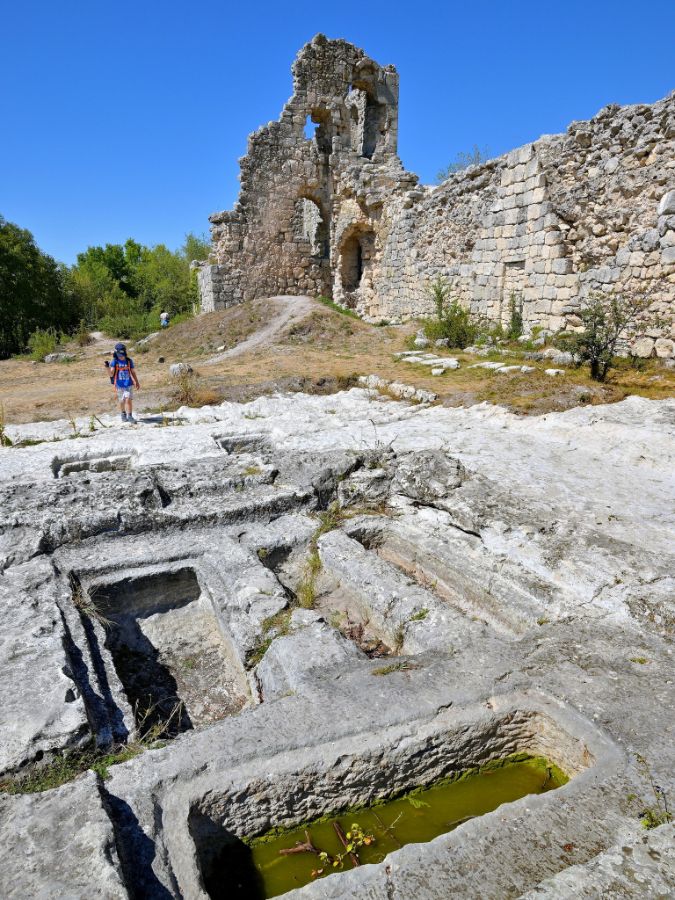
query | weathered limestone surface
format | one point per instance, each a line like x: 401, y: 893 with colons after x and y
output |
x: 59, y: 844
x: 40, y: 703
x: 519, y: 571
x: 591, y: 210
x: 643, y: 864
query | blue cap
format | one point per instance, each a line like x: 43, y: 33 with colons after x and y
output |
x: 121, y: 348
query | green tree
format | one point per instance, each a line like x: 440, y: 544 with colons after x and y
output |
x: 605, y: 318
x: 474, y: 157
x: 196, y: 247
x: 32, y: 290
x: 113, y: 258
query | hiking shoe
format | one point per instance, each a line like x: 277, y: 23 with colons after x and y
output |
x: 132, y: 420
x: 123, y: 417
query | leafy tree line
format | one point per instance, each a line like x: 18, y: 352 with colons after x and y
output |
x: 119, y: 288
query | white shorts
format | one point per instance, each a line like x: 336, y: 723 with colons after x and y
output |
x: 125, y: 393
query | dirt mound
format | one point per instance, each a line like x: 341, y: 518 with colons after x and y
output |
x: 205, y: 334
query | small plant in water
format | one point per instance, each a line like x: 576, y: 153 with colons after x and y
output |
x: 352, y: 841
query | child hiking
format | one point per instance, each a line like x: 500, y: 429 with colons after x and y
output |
x: 122, y: 374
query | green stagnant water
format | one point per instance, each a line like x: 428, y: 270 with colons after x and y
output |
x: 254, y: 869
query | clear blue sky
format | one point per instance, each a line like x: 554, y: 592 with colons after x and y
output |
x: 127, y: 119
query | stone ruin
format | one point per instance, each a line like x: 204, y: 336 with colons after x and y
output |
x: 547, y: 224
x: 270, y: 612
x: 490, y: 586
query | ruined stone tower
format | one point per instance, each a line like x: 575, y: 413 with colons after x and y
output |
x: 300, y: 207
x: 545, y: 225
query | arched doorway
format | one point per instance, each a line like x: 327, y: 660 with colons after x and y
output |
x: 356, y: 253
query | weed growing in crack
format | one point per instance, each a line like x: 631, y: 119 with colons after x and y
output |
x: 86, y: 603
x: 400, y: 666
x: 65, y: 767
x: 399, y: 637
x: 419, y: 615
x: 273, y: 626
x: 399, y: 633
x: 73, y: 426
x: 329, y: 520
x: 149, y: 731
x: 659, y: 814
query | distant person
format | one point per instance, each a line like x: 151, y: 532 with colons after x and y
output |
x: 164, y: 319
x: 123, y: 377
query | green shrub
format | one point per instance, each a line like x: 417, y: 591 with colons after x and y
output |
x: 42, y: 342
x: 605, y: 317
x: 452, y: 321
x: 515, y: 317
x: 128, y: 326
x: 82, y: 335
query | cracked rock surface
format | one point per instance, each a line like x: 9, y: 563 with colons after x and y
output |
x: 314, y: 602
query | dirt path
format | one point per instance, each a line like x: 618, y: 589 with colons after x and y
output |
x: 288, y: 310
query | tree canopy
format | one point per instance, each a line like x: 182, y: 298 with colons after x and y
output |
x: 119, y: 288
x: 32, y: 291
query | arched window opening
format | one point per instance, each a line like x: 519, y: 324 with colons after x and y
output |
x: 310, y: 128
x: 317, y: 129
x: 373, y: 126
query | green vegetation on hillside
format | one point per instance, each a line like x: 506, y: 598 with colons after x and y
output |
x: 120, y: 288
x: 32, y: 290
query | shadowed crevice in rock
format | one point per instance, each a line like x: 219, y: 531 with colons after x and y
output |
x: 136, y: 852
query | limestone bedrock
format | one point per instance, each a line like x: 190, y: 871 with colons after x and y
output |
x: 542, y: 227
x: 476, y: 584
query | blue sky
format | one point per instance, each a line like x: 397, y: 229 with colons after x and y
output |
x: 127, y: 119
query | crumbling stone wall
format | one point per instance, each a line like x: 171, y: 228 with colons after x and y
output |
x: 270, y: 243
x: 547, y: 224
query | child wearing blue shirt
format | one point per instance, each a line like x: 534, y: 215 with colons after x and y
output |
x: 123, y: 378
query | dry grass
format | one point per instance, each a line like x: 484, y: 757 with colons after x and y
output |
x: 320, y: 354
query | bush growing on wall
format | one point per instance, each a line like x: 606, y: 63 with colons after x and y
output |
x: 463, y: 160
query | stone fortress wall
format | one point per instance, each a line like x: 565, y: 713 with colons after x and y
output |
x: 548, y: 223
